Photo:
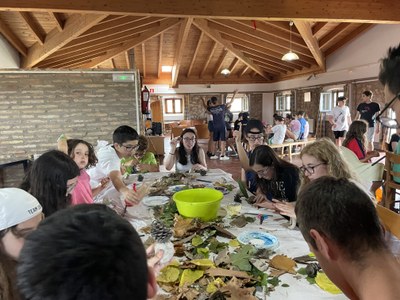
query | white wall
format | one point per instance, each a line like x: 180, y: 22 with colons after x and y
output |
x: 268, y: 107
x: 9, y: 58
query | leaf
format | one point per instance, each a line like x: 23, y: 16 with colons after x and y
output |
x: 302, y: 271
x: 212, y: 287
x: 284, y: 263
x: 197, y: 241
x: 242, y: 188
x: 242, y: 257
x: 274, y: 281
x: 204, y: 252
x: 285, y: 285
x: 168, y: 274
x: 190, y: 276
x: 219, y: 272
x: 238, y: 291
x: 202, y: 263
x: 216, y: 246
x: 222, y: 258
x: 234, y: 243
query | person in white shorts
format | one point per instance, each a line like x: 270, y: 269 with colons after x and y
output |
x: 340, y: 120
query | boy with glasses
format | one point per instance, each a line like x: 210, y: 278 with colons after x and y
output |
x: 125, y: 143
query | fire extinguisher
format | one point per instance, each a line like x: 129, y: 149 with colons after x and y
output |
x: 145, y: 100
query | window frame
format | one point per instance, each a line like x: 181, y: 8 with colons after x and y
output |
x: 282, y: 102
x: 174, y: 100
x: 244, y: 102
x: 333, y: 95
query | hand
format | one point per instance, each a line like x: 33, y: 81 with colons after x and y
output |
x: 153, y: 259
x: 198, y: 167
x: 333, y: 125
x: 266, y: 204
x: 285, y: 208
x: 104, y: 182
x: 174, y: 143
x: 134, y: 197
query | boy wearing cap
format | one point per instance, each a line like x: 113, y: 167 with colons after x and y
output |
x: 90, y: 253
x: 20, y: 213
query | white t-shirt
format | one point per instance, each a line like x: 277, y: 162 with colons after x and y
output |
x: 340, y: 117
x: 108, y: 161
x: 184, y: 168
x: 279, y: 134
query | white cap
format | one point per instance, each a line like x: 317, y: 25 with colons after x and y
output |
x: 17, y: 206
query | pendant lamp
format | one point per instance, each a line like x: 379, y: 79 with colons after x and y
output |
x: 290, y: 55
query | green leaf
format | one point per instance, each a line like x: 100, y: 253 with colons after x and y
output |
x: 261, y: 277
x: 242, y: 188
x: 197, y: 240
x: 274, y: 281
x: 216, y: 246
x: 285, y: 285
x: 242, y: 257
x: 302, y: 271
x: 310, y: 280
x: 203, y: 251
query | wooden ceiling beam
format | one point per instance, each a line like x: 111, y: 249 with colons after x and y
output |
x: 13, y: 39
x: 377, y: 11
x: 333, y: 34
x: 306, y: 33
x: 180, y: 46
x: 348, y: 38
x: 271, y: 49
x: 233, y: 64
x: 271, y: 66
x: 216, y: 36
x: 160, y: 51
x: 56, y: 17
x: 155, y: 31
x: 210, y: 55
x: 55, y: 40
x: 126, y: 55
x: 196, y: 51
x: 318, y: 26
x: 113, y: 63
x: 313, y: 70
x: 144, y: 59
x: 244, y: 71
x: 281, y: 65
x: 33, y: 27
x: 218, y: 65
x: 262, y: 36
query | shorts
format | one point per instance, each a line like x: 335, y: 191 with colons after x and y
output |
x: 339, y: 134
x: 370, y: 134
x: 219, y: 134
x: 210, y: 126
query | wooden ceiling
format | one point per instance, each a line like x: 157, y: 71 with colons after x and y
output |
x: 197, y: 38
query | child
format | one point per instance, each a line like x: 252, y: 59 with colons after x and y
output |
x: 83, y: 154
x: 279, y: 131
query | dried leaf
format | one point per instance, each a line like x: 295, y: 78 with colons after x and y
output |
x: 182, y: 226
x: 168, y: 274
x: 190, y: 276
x: 237, y: 291
x: 214, y: 286
x: 202, y: 263
x: 222, y: 258
x: 223, y: 232
x: 239, y: 221
x: 284, y: 263
x: 218, y: 272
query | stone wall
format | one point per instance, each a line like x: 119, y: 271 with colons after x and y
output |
x: 35, y: 108
x: 255, y: 106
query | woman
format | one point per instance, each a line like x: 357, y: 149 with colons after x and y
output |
x: 51, y: 180
x: 321, y: 158
x: 20, y: 213
x: 142, y: 160
x: 356, y: 141
x: 278, y: 180
x: 188, y: 156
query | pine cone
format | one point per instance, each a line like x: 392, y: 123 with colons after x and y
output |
x: 160, y: 232
x: 312, y: 269
x: 237, y: 198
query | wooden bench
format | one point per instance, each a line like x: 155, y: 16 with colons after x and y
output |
x: 291, y: 146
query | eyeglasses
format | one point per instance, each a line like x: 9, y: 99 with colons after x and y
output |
x: 264, y: 171
x: 309, y: 169
x: 253, y: 138
x: 385, y: 121
x: 130, y: 148
x: 189, y: 139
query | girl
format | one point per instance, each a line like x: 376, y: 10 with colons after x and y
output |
x: 84, y: 156
x: 277, y: 180
x: 188, y: 156
x: 321, y: 158
x: 51, y: 180
x: 20, y: 213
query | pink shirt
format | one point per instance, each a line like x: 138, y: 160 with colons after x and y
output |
x: 82, y: 193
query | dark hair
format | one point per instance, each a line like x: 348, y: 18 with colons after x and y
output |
x: 194, y: 155
x: 8, y: 278
x: 264, y: 155
x: 143, y: 144
x: 357, y: 130
x: 124, y: 133
x: 47, y: 180
x: 253, y: 123
x: 389, y: 73
x: 279, y: 118
x: 343, y: 212
x: 72, y: 143
x: 245, y: 115
x: 341, y: 98
x: 301, y: 113
x: 368, y: 93
x: 214, y: 100
x: 83, y: 252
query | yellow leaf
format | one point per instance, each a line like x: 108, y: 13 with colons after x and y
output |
x: 190, y: 276
x: 168, y: 274
x: 284, y: 263
x: 234, y: 243
x: 326, y: 284
x: 202, y: 262
x: 214, y: 286
x: 197, y: 241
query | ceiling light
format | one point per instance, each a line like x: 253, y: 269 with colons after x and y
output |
x: 166, y: 69
x: 290, y: 55
x: 225, y: 72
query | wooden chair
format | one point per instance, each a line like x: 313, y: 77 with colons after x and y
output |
x: 390, y: 220
x: 390, y: 185
x: 202, y: 131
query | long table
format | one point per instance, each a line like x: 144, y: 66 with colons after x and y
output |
x: 291, y: 242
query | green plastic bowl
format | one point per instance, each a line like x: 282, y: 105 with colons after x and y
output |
x: 198, y: 203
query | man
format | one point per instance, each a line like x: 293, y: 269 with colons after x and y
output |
x: 340, y: 120
x: 339, y: 222
x: 368, y: 110
x: 85, y: 252
x: 125, y: 143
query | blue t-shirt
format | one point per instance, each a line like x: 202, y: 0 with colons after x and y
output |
x: 302, y: 124
x: 218, y: 113
x: 396, y: 167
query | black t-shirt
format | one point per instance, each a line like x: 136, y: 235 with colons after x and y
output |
x: 367, y: 111
x: 394, y: 138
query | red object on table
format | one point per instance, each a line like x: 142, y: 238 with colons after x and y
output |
x: 127, y: 203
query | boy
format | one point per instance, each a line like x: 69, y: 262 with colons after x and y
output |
x: 125, y: 143
x: 339, y: 222
x: 85, y: 252
x: 340, y: 120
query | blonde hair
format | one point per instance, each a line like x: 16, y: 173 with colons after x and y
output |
x: 326, y: 152
x: 357, y: 130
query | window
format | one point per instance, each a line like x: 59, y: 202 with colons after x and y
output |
x: 239, y: 104
x: 327, y: 100
x: 173, y: 105
x: 283, y: 103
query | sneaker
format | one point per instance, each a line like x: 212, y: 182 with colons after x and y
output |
x: 223, y: 157
x: 214, y: 157
x: 209, y: 154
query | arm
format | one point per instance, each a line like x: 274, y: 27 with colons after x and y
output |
x: 229, y: 103
x: 244, y: 160
x: 103, y: 184
x: 204, y: 102
x: 357, y: 116
x: 170, y: 157
x: 129, y: 195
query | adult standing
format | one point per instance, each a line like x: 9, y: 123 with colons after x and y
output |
x: 340, y: 120
x: 367, y: 110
